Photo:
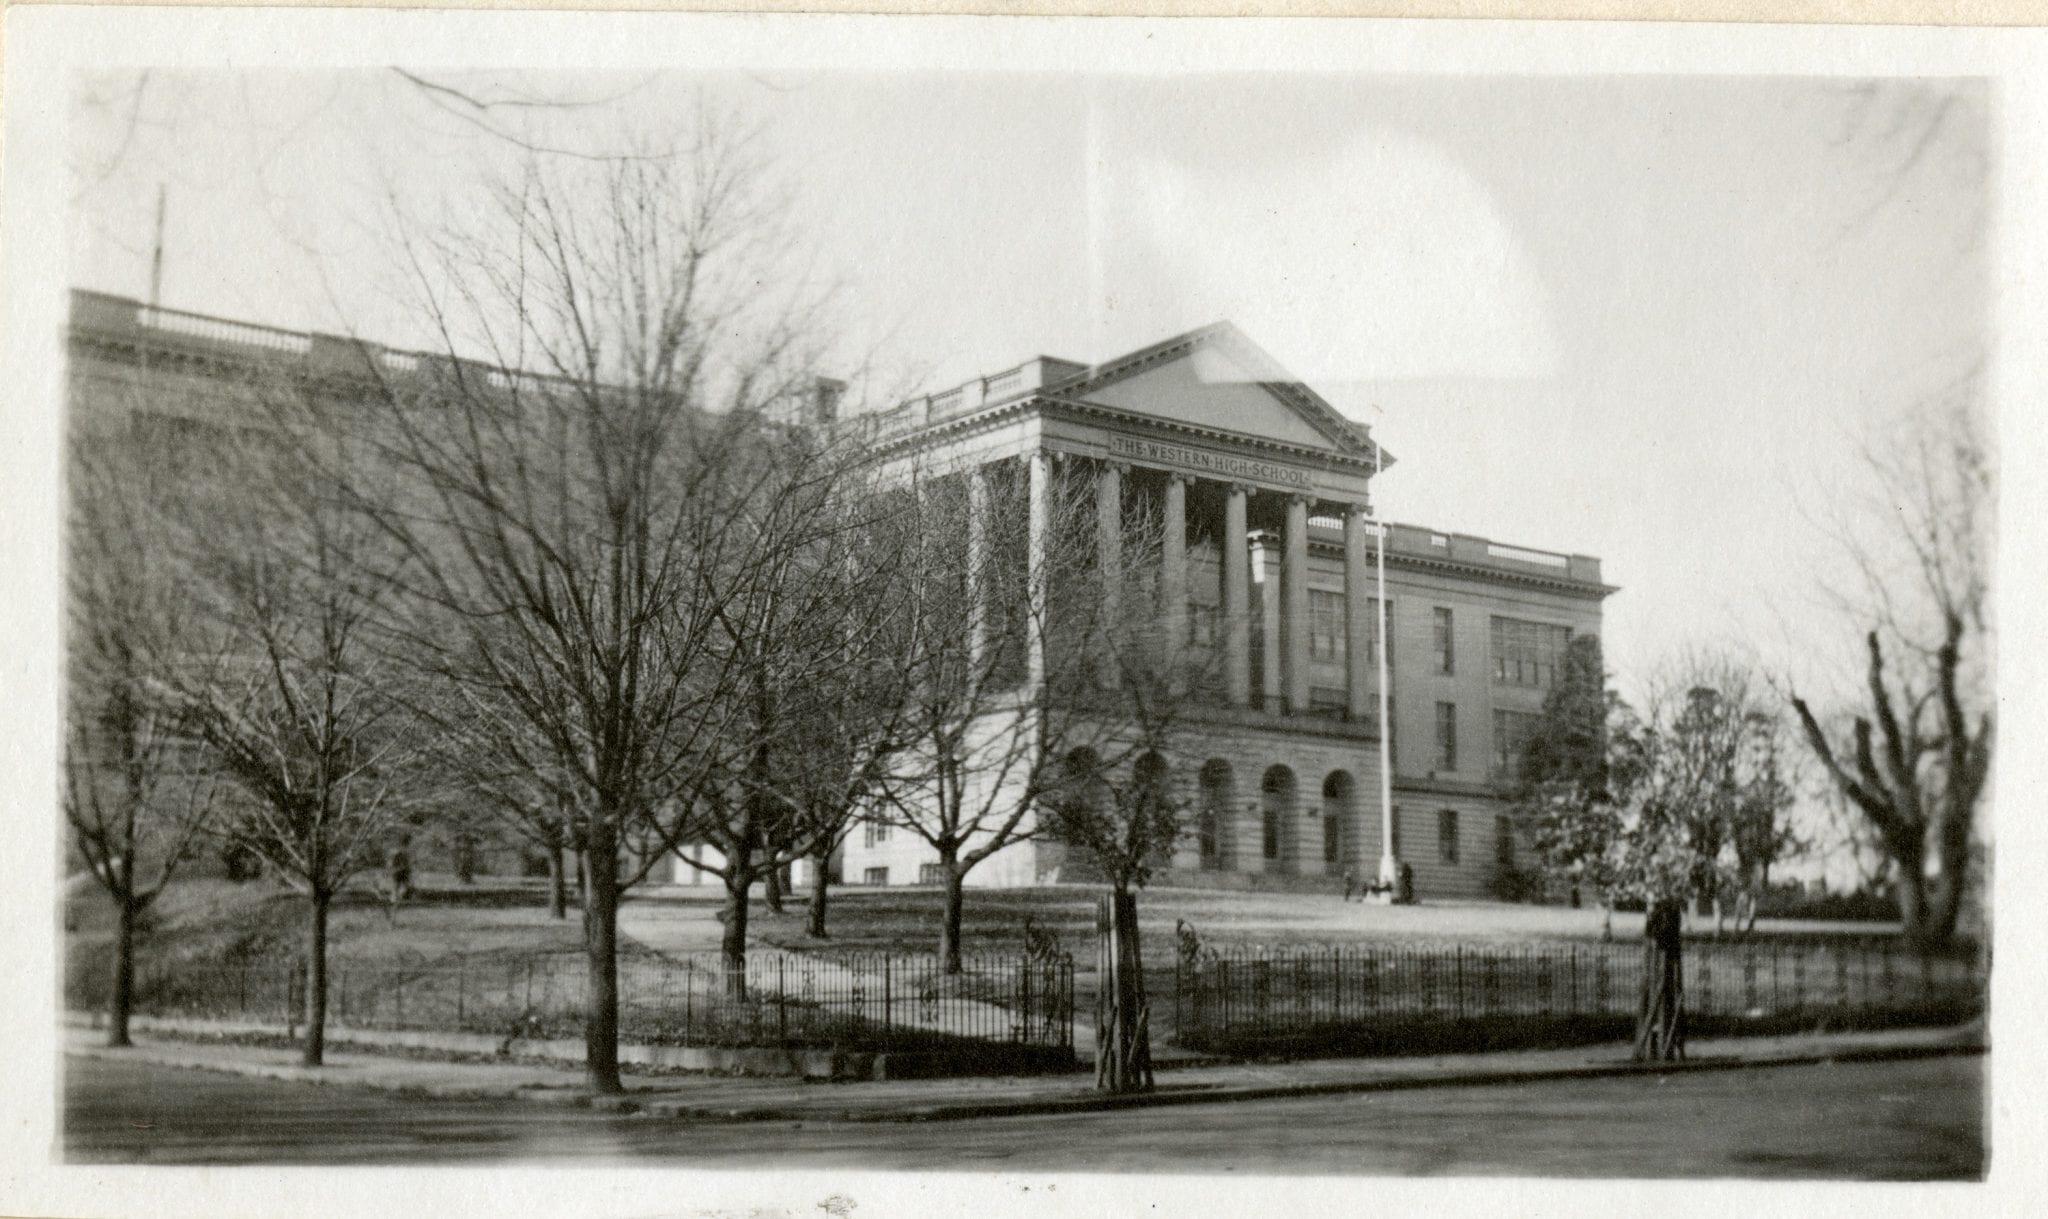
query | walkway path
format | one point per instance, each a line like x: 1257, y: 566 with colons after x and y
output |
x: 740, y: 1099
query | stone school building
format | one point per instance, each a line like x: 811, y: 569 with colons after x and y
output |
x: 1260, y: 492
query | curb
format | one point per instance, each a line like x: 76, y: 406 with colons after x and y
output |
x: 571, y: 1096
x: 1225, y: 1095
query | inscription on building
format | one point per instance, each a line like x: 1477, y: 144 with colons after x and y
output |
x: 1207, y: 462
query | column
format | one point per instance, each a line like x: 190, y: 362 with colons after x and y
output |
x: 979, y: 577
x: 1294, y: 607
x: 1173, y: 578
x: 1039, y: 471
x: 1266, y: 563
x: 1109, y: 564
x: 1358, y: 624
x: 1237, y: 644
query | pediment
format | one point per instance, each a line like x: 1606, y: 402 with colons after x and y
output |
x: 1216, y: 378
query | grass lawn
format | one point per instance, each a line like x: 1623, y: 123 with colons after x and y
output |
x: 201, y: 919
x: 500, y: 924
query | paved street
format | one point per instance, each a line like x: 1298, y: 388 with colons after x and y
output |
x: 1904, y: 1120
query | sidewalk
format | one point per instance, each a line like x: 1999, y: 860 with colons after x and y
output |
x: 720, y: 1098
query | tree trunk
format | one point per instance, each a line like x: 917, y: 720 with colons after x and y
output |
x: 601, y: 988
x: 771, y: 889
x: 1941, y: 906
x: 821, y: 865
x: 732, y: 947
x: 582, y: 878
x: 949, y: 918
x: 1607, y: 922
x: 558, y: 883
x: 315, y: 1050
x: 1660, y: 1025
x: 1123, y: 1039
x: 121, y: 998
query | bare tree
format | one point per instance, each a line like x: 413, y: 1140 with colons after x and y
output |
x: 581, y: 503
x: 1916, y: 757
x: 289, y: 684
x: 134, y: 798
x: 1685, y: 775
x: 983, y: 731
x: 808, y: 631
x: 1118, y: 805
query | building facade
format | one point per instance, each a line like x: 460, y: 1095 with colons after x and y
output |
x: 1260, y: 495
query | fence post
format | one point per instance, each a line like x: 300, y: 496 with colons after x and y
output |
x: 1458, y: 980
x: 781, y: 1000
x: 888, y: 991
x: 689, y: 996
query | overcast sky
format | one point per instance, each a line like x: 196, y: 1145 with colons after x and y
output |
x: 1645, y: 318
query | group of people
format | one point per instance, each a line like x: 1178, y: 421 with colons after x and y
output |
x: 1366, y: 891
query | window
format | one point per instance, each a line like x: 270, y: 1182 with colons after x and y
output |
x: 1201, y: 625
x: 876, y: 833
x: 1447, y: 736
x: 931, y: 874
x: 875, y: 876
x: 1325, y: 625
x: 1328, y: 702
x: 1511, y: 733
x: 1372, y: 643
x: 1333, y: 837
x: 1205, y: 834
x: 1527, y: 653
x: 1446, y: 655
x: 1503, y: 844
x: 1269, y: 843
x: 1447, y: 835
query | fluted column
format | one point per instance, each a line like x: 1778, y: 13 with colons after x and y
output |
x: 1173, y: 575
x: 1266, y: 563
x: 1039, y: 472
x: 1109, y: 562
x: 1237, y: 647
x: 978, y: 574
x: 1294, y: 607
x: 1358, y: 624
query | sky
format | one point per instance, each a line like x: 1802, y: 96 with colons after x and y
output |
x: 1647, y: 318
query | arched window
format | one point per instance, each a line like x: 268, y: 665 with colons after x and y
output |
x: 1276, y: 802
x: 1213, y: 812
x: 1337, y: 816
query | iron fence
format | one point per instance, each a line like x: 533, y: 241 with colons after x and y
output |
x: 1247, y: 998
x: 851, y: 1001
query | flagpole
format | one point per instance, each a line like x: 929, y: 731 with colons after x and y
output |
x: 1390, y: 868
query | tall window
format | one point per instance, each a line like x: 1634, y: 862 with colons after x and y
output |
x: 876, y: 832
x: 1447, y: 835
x: 1446, y: 655
x: 1325, y: 625
x: 1447, y: 736
x: 1201, y: 625
x: 1269, y: 832
x: 1511, y: 733
x: 1527, y: 653
x: 1372, y: 640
